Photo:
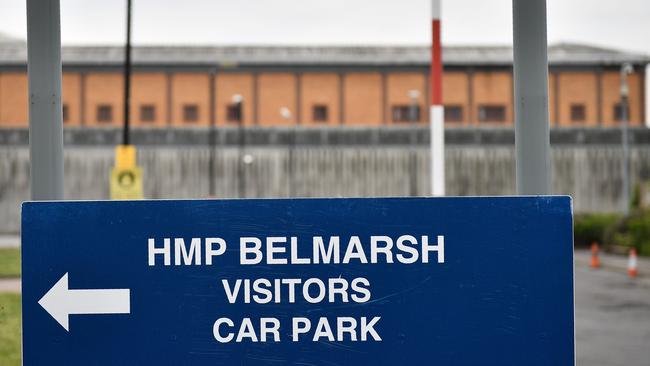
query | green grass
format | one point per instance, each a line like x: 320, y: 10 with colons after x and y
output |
x: 9, y: 329
x: 9, y: 263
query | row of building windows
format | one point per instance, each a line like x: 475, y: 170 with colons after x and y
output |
x: 320, y: 113
x: 234, y: 113
x: 104, y: 113
x: 486, y: 113
x: 497, y: 113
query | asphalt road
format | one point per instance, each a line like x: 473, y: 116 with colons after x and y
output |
x: 612, y: 319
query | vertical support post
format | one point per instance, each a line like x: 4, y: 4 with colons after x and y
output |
x: 646, y: 94
x: 292, y: 144
x: 298, y: 119
x: 437, y: 113
x: 127, y: 75
x: 255, y: 100
x: 45, y: 111
x: 470, y: 96
x: 291, y: 147
x: 384, y: 98
x: 414, y: 95
x: 532, y: 140
x: 626, y: 69
x: 292, y: 161
x: 626, y: 156
x: 212, y: 139
x: 341, y: 98
x: 556, y: 99
x: 82, y: 98
x: 599, y: 96
x: 238, y: 101
x: 169, y: 99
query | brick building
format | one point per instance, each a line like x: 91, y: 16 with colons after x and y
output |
x: 197, y: 86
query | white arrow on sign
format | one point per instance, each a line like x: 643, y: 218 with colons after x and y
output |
x: 60, y: 302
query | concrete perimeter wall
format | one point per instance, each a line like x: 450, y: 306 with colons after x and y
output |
x: 325, y: 163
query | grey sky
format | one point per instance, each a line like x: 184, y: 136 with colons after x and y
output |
x: 623, y: 24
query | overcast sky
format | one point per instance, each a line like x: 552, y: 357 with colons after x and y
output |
x: 622, y: 24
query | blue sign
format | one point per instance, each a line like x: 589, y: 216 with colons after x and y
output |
x: 394, y: 281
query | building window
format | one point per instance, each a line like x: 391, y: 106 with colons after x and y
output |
x: 147, y: 113
x: 453, y: 113
x: 190, y: 113
x: 406, y: 113
x: 618, y: 112
x: 66, y: 113
x: 492, y: 113
x: 578, y: 113
x: 234, y: 113
x: 320, y: 113
x: 104, y: 113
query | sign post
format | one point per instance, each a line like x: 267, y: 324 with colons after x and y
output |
x: 45, y: 111
x: 403, y: 281
x: 532, y: 130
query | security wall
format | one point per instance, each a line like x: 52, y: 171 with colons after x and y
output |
x: 587, y: 164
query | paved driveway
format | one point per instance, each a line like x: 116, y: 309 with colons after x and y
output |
x: 612, y: 318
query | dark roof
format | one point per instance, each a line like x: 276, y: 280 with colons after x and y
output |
x: 7, y: 39
x: 561, y: 54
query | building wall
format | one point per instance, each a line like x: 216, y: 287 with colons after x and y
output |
x: 349, y: 98
x: 552, y: 98
x: 228, y: 85
x: 276, y: 91
x: 611, y: 82
x: 148, y: 89
x: 71, y: 89
x: 362, y: 95
x: 455, y: 93
x: 104, y: 89
x: 398, y: 87
x: 492, y: 89
x: 190, y: 89
x: 578, y: 89
x: 320, y: 89
x: 13, y: 99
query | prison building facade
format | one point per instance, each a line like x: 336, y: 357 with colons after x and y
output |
x: 185, y: 86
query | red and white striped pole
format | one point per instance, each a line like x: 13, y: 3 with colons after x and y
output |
x: 437, y: 114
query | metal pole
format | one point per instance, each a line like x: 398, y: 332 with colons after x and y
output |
x: 413, y: 119
x: 437, y: 112
x: 413, y: 108
x: 532, y: 141
x: 212, y: 140
x: 625, y: 70
x: 45, y: 113
x: 291, y: 158
x: 286, y: 114
x: 127, y: 75
x: 241, y: 146
x: 646, y: 104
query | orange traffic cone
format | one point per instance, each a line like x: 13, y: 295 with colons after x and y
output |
x: 632, y: 264
x: 595, y: 260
